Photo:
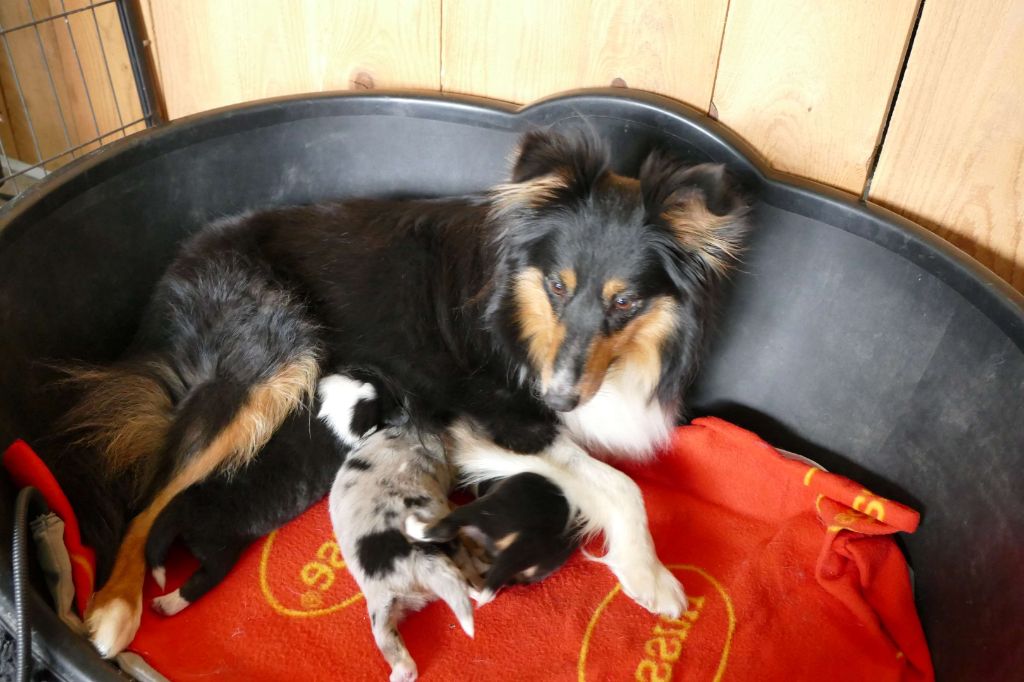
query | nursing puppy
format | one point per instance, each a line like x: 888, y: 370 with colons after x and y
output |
x: 524, y: 522
x: 218, y: 518
x: 562, y: 308
x: 392, y: 474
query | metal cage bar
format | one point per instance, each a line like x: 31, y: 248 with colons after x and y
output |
x: 42, y: 130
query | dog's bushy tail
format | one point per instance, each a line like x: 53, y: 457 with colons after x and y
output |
x: 123, y: 413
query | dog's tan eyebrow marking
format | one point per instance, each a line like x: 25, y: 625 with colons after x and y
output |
x: 568, y: 277
x: 504, y: 542
x: 611, y: 287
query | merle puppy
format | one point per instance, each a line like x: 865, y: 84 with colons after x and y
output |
x: 218, y: 518
x: 396, y: 472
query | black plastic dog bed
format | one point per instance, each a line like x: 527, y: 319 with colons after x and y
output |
x: 851, y: 336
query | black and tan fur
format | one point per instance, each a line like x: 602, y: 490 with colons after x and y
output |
x: 567, y: 295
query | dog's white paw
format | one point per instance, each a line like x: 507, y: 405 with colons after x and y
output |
x: 170, y: 604
x: 404, y: 672
x: 113, y: 625
x: 652, y: 586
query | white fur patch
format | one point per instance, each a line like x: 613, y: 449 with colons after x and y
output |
x: 622, y: 419
x: 481, y: 597
x: 170, y: 604
x: 403, y: 672
x: 415, y: 528
x: 113, y: 626
x: 339, y: 396
x: 159, y: 576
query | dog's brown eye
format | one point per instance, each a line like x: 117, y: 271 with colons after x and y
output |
x: 625, y: 303
x: 557, y: 287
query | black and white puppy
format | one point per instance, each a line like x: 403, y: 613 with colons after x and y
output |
x: 524, y: 522
x: 218, y: 518
x: 393, y: 473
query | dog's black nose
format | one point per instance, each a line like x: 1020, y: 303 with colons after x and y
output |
x: 562, y: 402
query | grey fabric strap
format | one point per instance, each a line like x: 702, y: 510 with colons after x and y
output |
x: 48, y: 533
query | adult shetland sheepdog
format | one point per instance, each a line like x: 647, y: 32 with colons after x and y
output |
x: 563, y: 308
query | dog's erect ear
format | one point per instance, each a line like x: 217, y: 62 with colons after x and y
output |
x: 548, y: 166
x: 577, y: 157
x: 700, y: 205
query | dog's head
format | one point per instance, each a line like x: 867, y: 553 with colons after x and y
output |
x: 599, y: 271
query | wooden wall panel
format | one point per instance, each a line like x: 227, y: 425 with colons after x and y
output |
x: 10, y: 145
x: 31, y: 95
x: 953, y: 157
x: 809, y: 83
x: 216, y: 52
x: 521, y: 51
x: 103, y: 90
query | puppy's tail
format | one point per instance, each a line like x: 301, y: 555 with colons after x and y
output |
x: 448, y: 583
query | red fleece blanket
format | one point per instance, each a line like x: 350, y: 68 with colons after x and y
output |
x: 791, y: 573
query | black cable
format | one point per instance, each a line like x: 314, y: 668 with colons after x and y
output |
x: 19, y: 561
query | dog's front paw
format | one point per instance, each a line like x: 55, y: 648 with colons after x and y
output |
x: 652, y: 586
x: 112, y: 625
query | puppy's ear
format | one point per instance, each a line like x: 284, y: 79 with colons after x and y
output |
x: 701, y: 206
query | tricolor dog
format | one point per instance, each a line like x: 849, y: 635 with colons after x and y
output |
x: 565, y: 308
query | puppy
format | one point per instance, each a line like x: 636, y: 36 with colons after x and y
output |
x: 218, y: 518
x: 395, y: 473
x: 524, y: 522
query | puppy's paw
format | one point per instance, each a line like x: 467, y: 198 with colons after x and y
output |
x: 652, y: 586
x: 482, y: 596
x: 404, y: 672
x: 170, y: 604
x: 112, y: 625
x: 416, y: 528
x: 159, y: 574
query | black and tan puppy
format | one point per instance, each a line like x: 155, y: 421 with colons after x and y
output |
x: 524, y: 522
x: 218, y: 518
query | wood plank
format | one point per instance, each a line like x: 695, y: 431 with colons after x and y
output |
x: 7, y: 139
x: 104, y: 84
x: 953, y: 158
x: 214, y: 53
x: 60, y: 78
x: 809, y: 83
x: 153, y: 54
x: 522, y: 51
x: 32, y: 79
